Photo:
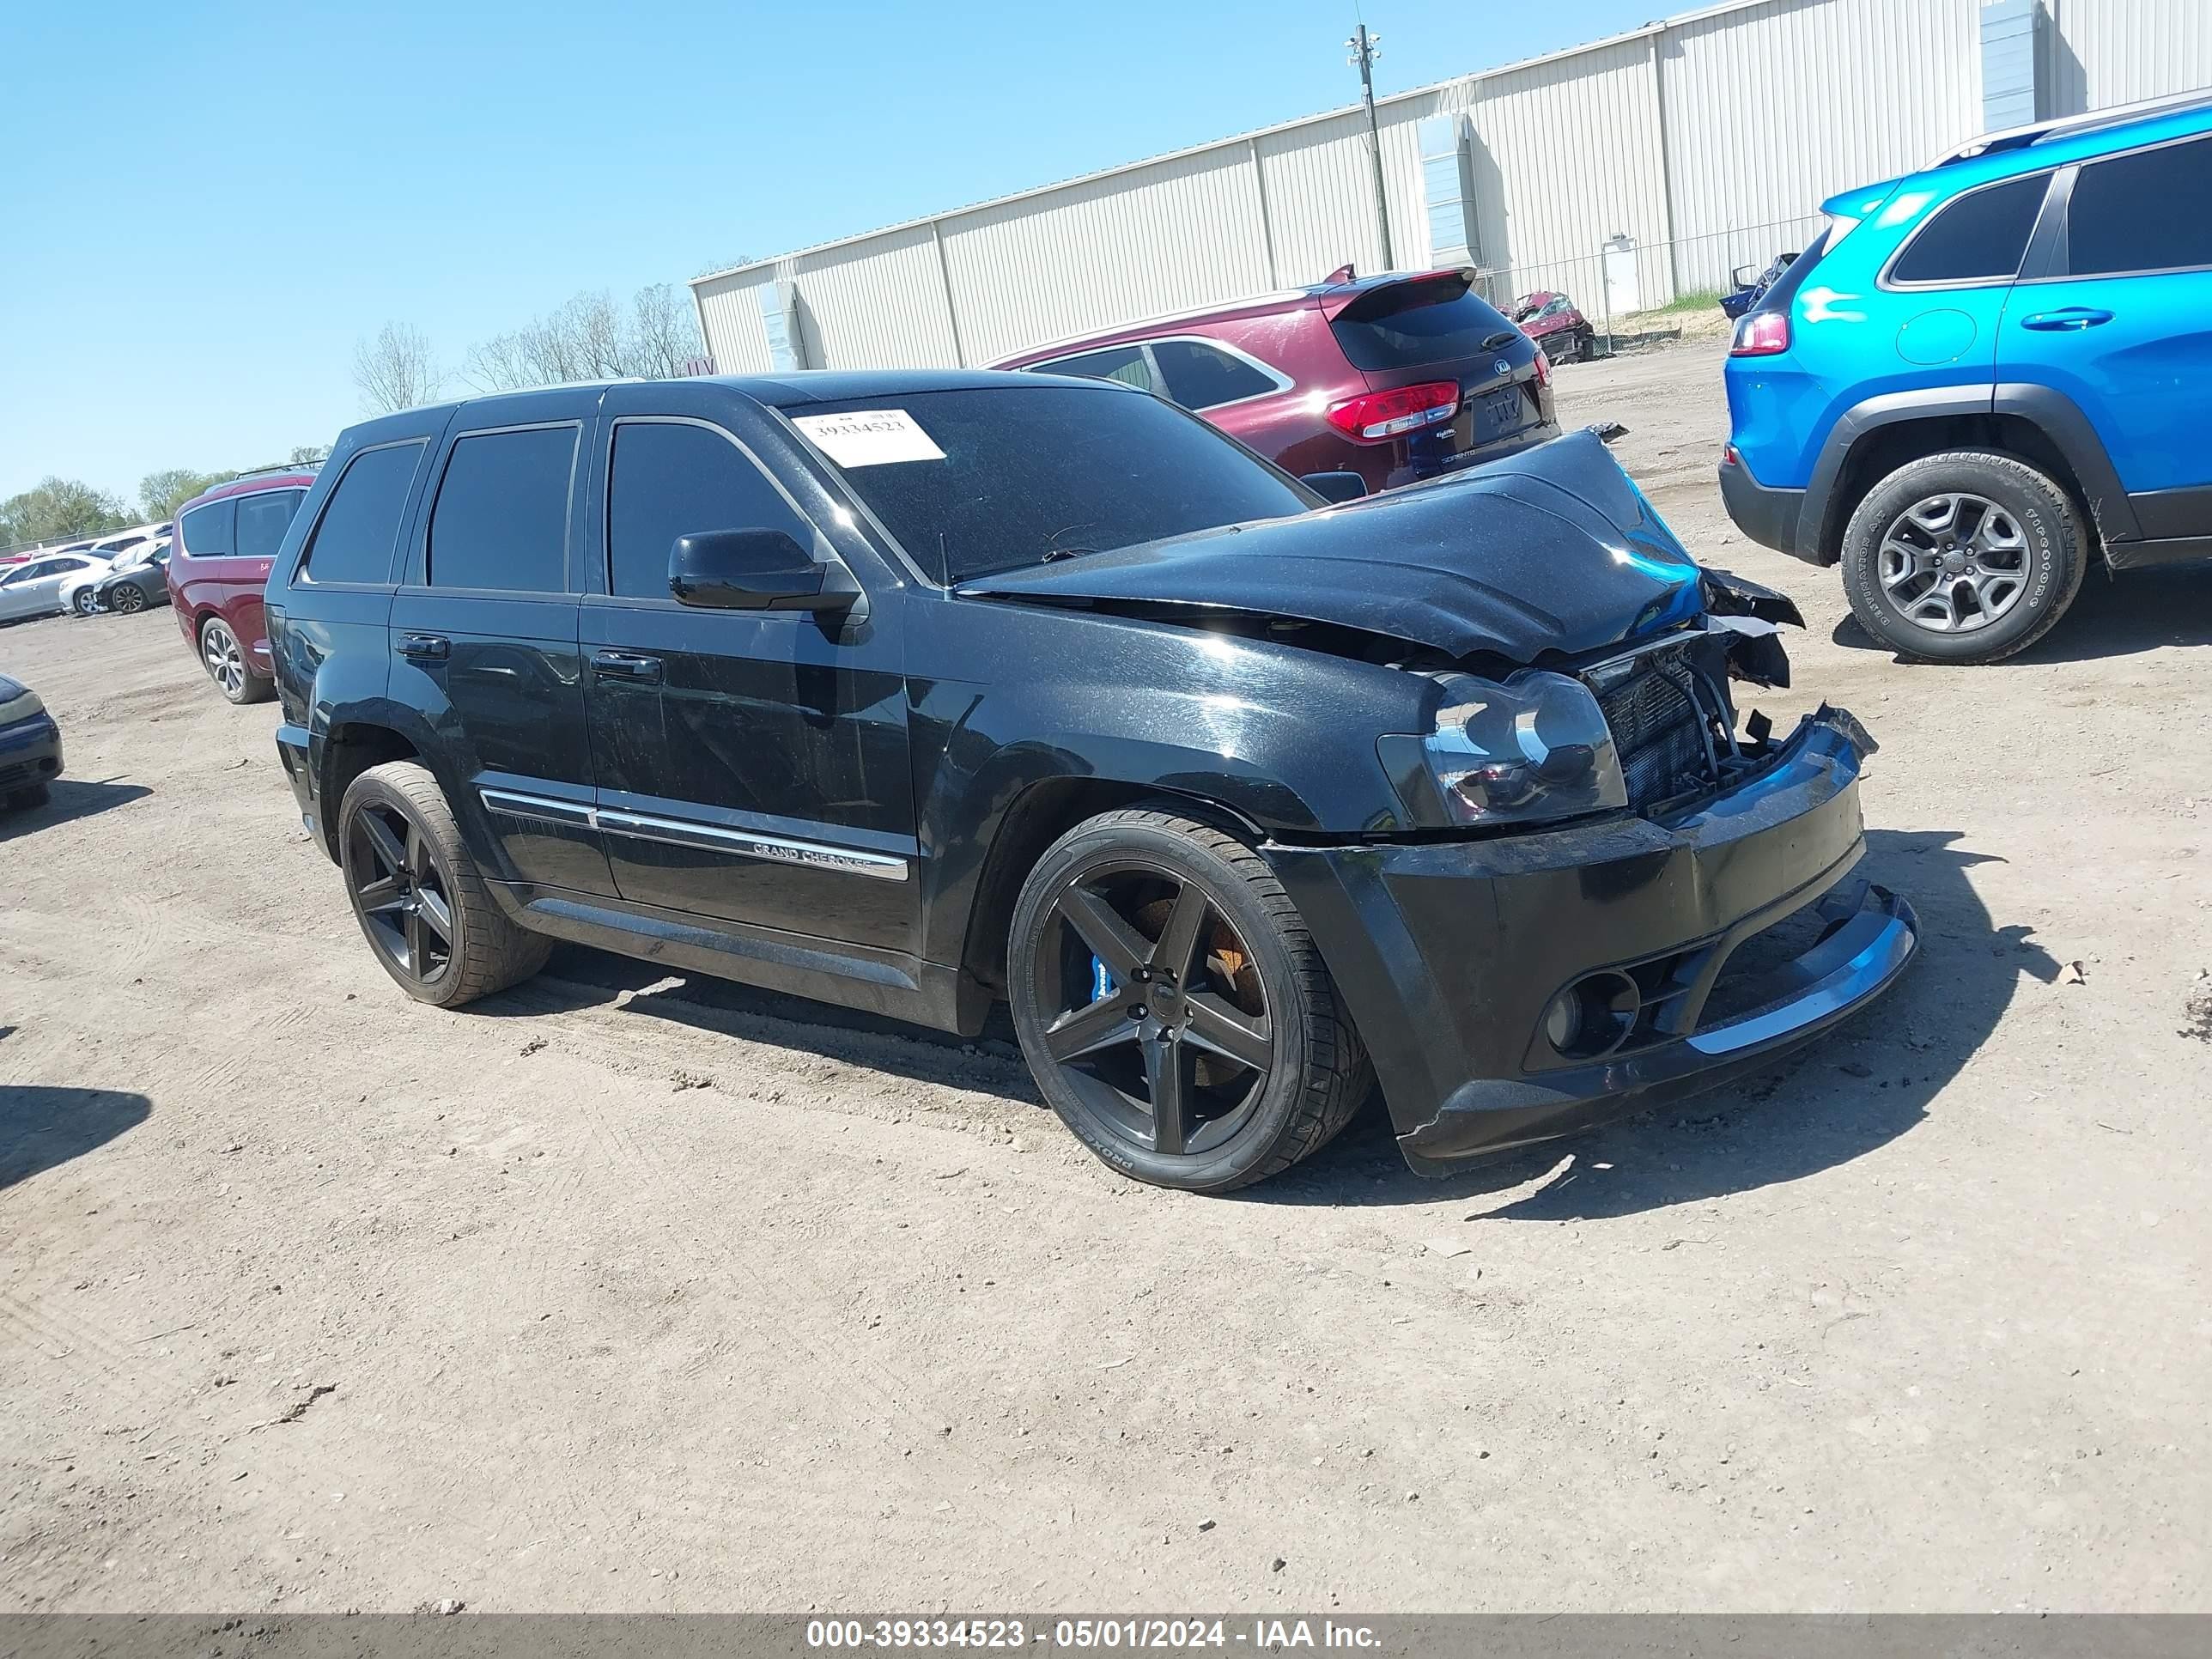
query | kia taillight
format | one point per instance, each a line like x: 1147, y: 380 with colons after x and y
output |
x: 1379, y: 417
x: 1760, y: 334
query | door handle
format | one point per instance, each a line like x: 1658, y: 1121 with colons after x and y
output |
x: 627, y: 665
x: 2071, y: 320
x: 425, y: 647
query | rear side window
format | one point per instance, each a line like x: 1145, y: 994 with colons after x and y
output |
x: 207, y: 530
x: 263, y: 520
x: 1981, y: 236
x: 1434, y: 320
x: 1201, y: 376
x: 501, y: 519
x: 668, y: 480
x: 2143, y: 212
x: 360, y: 523
x: 1125, y: 363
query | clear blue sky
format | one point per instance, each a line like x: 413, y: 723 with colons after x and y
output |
x: 207, y: 204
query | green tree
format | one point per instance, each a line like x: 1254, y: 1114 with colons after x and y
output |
x: 58, y: 509
x: 161, y: 494
x: 303, y: 453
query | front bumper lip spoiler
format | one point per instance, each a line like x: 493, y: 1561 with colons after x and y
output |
x: 1875, y: 937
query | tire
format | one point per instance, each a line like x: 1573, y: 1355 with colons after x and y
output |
x: 481, y: 951
x: 85, y: 602
x: 229, y: 667
x: 2032, y: 533
x: 129, y: 599
x: 29, y: 799
x: 1241, y: 1121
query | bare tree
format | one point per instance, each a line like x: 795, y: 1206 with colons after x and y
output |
x: 397, y: 370
x: 590, y: 338
x: 665, y: 332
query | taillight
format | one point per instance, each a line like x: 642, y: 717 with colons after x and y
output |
x: 1760, y: 334
x: 1378, y: 417
x: 1543, y: 367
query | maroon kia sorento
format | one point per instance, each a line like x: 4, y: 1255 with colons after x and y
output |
x: 1396, y: 378
x: 218, y: 564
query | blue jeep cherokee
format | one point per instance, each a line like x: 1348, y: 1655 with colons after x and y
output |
x: 1982, y: 376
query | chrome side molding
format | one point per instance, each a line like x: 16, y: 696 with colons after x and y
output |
x: 705, y: 837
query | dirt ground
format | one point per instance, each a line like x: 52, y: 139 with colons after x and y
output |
x: 619, y: 1292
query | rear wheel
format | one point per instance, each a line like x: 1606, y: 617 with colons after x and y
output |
x: 225, y: 661
x: 1173, y: 1007
x: 421, y: 903
x: 1964, y: 557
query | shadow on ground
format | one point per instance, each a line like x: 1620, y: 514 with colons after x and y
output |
x: 42, y: 1128
x: 2112, y: 617
x: 69, y: 798
x: 1854, y: 1089
x: 579, y: 977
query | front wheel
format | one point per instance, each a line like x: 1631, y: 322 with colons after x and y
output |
x: 415, y: 891
x: 85, y: 603
x: 129, y: 599
x: 1173, y: 1006
x: 1964, y: 557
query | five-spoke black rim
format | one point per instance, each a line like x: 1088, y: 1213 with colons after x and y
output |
x: 405, y: 901
x: 1156, y: 1014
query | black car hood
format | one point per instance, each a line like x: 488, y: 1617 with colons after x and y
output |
x: 1552, y: 552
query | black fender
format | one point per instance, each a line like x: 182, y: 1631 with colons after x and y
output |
x: 2053, y: 413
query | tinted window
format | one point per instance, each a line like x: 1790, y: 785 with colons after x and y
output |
x: 263, y: 520
x: 1029, y: 471
x: 207, y: 529
x: 2136, y: 212
x: 501, y: 519
x: 1405, y: 324
x: 1198, y: 375
x: 1124, y: 363
x: 353, y: 542
x: 1981, y: 235
x: 669, y: 480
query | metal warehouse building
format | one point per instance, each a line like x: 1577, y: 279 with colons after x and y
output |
x: 1625, y: 171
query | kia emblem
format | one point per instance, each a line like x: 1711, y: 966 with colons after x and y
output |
x: 1501, y: 368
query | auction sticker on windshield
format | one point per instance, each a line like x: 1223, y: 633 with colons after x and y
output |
x: 869, y: 437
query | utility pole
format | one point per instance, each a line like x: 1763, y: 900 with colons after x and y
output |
x: 1365, y: 48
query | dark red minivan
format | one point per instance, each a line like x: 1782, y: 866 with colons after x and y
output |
x: 226, y: 540
x: 1397, y: 377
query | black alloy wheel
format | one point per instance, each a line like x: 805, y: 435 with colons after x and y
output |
x: 404, y: 898
x: 129, y: 598
x: 1172, y: 1007
x: 1163, y: 1025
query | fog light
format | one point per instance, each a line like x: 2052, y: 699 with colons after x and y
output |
x: 1562, y: 1021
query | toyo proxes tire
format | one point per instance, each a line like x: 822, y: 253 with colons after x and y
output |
x: 1963, y: 557
x: 421, y: 905
x: 1173, y: 1007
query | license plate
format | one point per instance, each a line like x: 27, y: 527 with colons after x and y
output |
x: 1504, y: 411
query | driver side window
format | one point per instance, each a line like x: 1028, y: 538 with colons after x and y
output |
x: 669, y: 478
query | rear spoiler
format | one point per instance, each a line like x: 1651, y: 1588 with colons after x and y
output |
x: 1337, y: 302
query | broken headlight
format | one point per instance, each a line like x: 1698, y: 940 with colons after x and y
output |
x: 1531, y: 748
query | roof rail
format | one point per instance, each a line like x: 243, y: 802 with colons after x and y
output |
x: 274, y: 466
x: 2066, y: 126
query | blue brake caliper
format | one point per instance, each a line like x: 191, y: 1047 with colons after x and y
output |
x: 1102, y: 982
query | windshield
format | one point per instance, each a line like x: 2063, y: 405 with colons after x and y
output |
x: 992, y: 478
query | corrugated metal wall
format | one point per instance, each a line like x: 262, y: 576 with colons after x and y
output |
x: 1708, y: 142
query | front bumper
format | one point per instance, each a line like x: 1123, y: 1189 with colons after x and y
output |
x: 1769, y: 517
x: 30, y: 753
x: 1450, y: 953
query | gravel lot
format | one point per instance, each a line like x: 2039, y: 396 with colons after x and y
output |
x: 621, y: 1293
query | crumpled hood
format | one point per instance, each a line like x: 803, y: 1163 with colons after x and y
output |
x: 1552, y: 551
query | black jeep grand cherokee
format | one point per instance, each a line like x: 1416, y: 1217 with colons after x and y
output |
x: 913, y: 692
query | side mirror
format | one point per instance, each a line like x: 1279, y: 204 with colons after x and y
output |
x: 1336, y: 487
x: 752, y: 570
x: 1743, y: 276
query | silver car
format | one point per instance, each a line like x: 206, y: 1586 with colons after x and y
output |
x: 34, y: 586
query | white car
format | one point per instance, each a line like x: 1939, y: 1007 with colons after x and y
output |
x: 34, y: 586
